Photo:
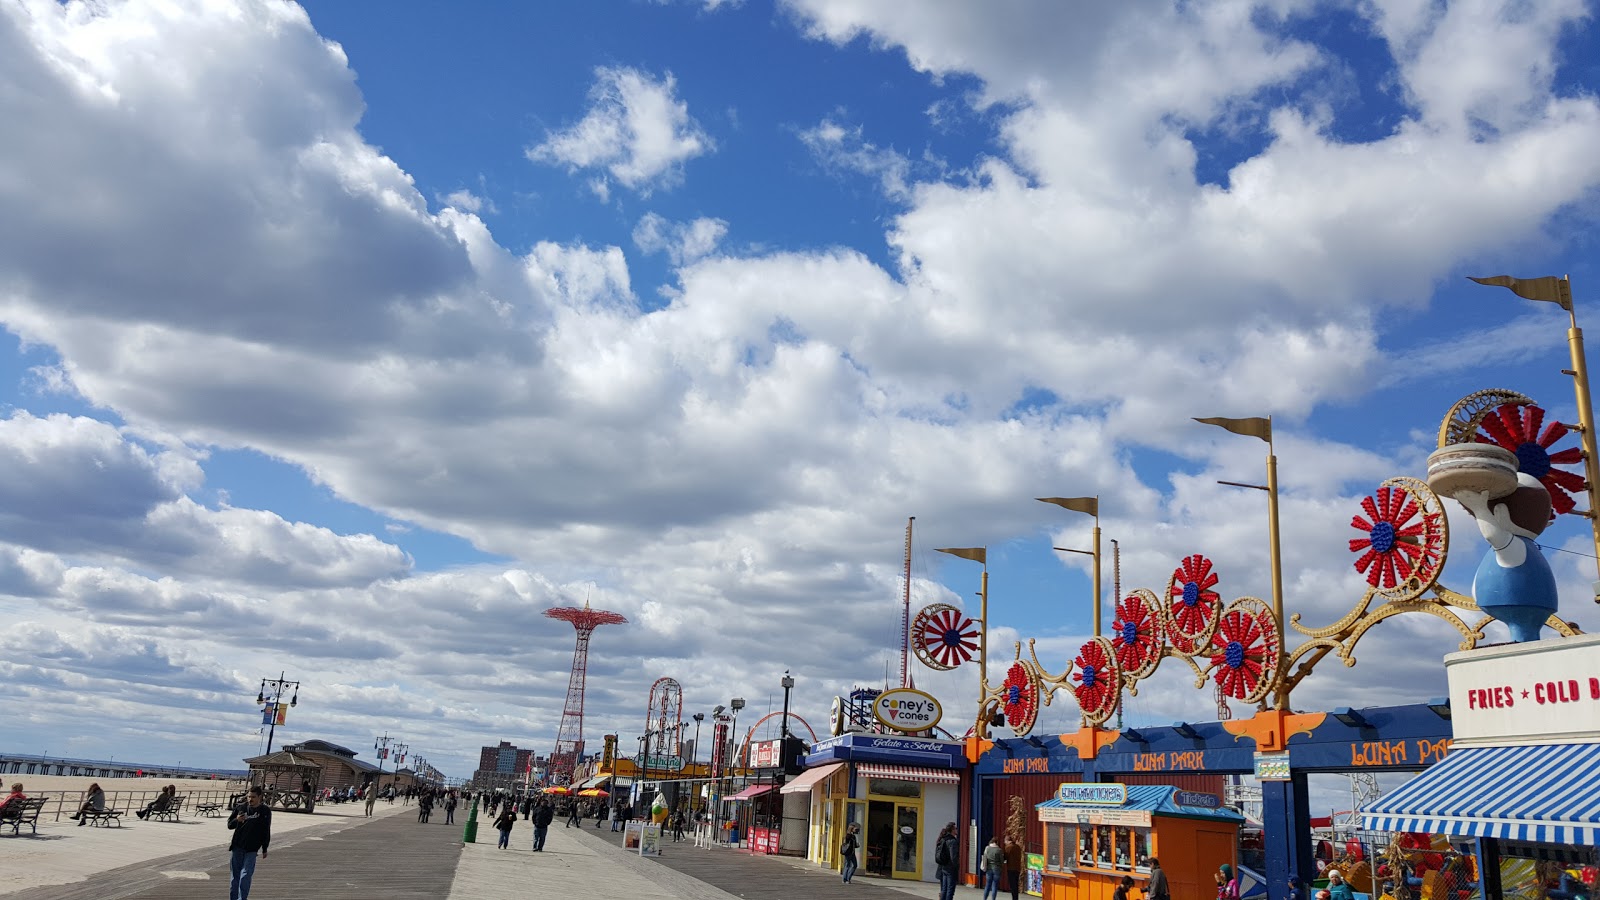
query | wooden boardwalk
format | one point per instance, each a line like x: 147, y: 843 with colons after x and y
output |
x: 390, y: 858
x: 758, y: 877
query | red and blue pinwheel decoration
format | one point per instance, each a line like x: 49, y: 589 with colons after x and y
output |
x: 1020, y: 698
x: 943, y: 637
x: 1516, y: 428
x: 1245, y: 652
x: 1406, y: 535
x: 1193, y: 607
x: 1099, y: 689
x: 1136, y: 634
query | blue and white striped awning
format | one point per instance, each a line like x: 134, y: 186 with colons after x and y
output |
x: 1543, y: 794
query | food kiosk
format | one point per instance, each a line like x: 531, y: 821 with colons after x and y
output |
x: 1095, y: 833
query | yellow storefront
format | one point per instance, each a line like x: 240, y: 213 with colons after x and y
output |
x: 899, y: 808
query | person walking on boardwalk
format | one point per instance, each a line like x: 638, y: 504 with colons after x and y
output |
x: 504, y: 824
x: 572, y: 815
x: 847, y: 852
x: 994, y: 863
x: 1013, y: 848
x: 543, y: 815
x: 450, y: 809
x: 251, y: 824
x: 424, y: 806
x: 372, y: 797
x: 1156, y: 888
x: 947, y: 858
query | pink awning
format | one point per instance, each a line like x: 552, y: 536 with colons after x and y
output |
x: 754, y: 790
x: 909, y: 773
x: 810, y: 777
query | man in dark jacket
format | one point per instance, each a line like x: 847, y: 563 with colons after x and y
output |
x: 1156, y: 888
x: 947, y: 860
x: 251, y: 824
x: 543, y: 815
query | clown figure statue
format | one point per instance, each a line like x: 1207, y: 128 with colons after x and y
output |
x: 1514, y: 582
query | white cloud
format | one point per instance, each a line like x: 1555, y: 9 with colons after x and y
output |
x: 709, y: 6
x: 842, y: 149
x: 467, y: 201
x: 683, y: 242
x: 637, y: 131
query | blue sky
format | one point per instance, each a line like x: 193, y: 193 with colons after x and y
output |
x: 348, y: 339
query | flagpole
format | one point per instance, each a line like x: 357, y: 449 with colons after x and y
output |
x: 1558, y: 290
x: 1277, y: 552
x: 1591, y: 458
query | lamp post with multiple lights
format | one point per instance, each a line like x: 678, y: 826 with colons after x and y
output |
x: 271, y: 693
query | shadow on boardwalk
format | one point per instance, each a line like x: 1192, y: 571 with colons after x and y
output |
x: 392, y: 858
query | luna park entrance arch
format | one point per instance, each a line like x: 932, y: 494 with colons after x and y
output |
x: 1378, y: 740
x: 1401, y: 546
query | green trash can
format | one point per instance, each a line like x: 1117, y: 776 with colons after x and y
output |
x: 471, y: 835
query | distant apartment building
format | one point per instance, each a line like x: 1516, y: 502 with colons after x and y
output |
x: 503, y: 766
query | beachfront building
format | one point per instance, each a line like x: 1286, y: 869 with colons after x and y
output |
x: 340, y: 768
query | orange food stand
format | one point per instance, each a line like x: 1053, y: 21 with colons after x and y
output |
x: 1097, y: 832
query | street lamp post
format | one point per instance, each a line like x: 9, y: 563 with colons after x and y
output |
x: 735, y: 704
x: 382, y: 746
x: 278, y: 686
x: 1258, y: 427
x: 783, y: 736
x: 788, y: 684
x: 1091, y: 506
x: 698, y: 718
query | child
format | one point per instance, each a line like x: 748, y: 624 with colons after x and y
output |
x: 508, y: 818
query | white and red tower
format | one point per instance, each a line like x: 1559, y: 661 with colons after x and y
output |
x: 569, y: 740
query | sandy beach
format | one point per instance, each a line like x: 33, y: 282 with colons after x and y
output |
x: 63, y: 852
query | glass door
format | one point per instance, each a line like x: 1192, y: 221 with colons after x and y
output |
x: 855, y: 813
x: 907, y: 841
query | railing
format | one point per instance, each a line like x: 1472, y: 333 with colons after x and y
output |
x: 61, y: 804
x: 29, y: 764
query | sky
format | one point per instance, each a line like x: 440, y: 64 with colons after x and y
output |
x: 344, y: 339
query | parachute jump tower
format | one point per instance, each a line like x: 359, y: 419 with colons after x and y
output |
x: 569, y: 740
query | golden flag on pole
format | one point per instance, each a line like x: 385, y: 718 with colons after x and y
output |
x: 1549, y: 288
x: 1251, y: 427
x: 976, y: 554
x: 1087, y: 505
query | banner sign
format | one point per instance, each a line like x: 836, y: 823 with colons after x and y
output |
x: 608, y: 753
x: 766, y: 754
x: 1272, y: 767
x: 1197, y: 799
x: 1097, y: 793
x: 879, y: 748
x: 1527, y: 693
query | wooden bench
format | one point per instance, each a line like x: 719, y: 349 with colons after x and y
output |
x: 107, y: 816
x: 210, y: 810
x: 170, y: 814
x: 22, y: 812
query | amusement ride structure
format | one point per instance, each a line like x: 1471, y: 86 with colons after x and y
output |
x: 569, y: 740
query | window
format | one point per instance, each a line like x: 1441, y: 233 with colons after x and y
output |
x: 1141, y: 850
x: 1059, y: 842
x: 1118, y: 848
x: 893, y: 787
